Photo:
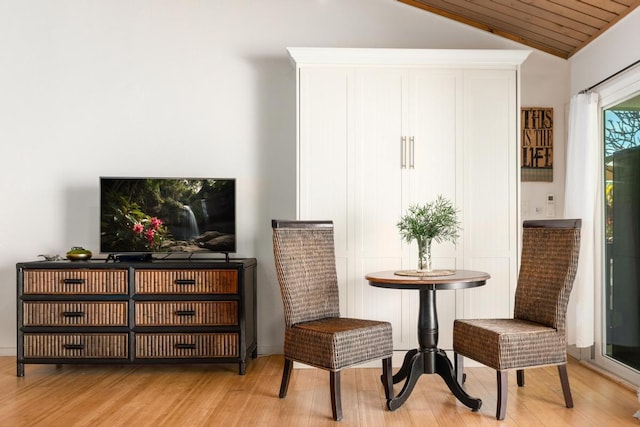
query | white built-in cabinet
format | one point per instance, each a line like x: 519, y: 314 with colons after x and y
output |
x: 381, y: 129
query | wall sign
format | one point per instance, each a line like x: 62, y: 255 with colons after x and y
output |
x: 536, y: 156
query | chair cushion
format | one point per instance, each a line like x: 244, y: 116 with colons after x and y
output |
x: 338, y: 342
x: 508, y: 343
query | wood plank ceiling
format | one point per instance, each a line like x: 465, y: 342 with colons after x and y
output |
x: 558, y: 27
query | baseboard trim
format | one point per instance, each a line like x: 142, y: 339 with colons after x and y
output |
x: 581, y: 353
x: 8, y: 351
x: 609, y: 375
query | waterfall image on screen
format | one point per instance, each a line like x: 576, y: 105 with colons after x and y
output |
x: 167, y: 215
x: 189, y: 225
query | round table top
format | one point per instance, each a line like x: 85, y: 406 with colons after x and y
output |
x: 460, y: 279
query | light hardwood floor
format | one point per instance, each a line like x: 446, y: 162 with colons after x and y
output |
x: 215, y: 395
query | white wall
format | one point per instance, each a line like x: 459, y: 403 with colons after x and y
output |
x: 611, y: 52
x: 171, y: 88
x: 546, y: 84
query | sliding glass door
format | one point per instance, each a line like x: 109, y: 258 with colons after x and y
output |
x: 621, y: 287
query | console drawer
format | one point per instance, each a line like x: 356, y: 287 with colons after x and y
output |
x: 186, y: 345
x: 193, y: 313
x: 76, y: 346
x: 75, y: 282
x: 186, y: 281
x: 113, y: 313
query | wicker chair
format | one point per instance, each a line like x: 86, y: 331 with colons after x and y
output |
x: 536, y: 335
x: 315, y: 334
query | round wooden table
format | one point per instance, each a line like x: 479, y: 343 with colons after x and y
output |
x: 428, y: 359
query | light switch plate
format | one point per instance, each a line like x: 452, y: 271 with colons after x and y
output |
x: 551, y: 205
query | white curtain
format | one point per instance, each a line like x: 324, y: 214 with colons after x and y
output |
x: 581, y: 188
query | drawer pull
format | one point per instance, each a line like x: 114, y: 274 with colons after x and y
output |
x: 185, y: 281
x: 185, y: 346
x: 73, y: 313
x: 73, y: 281
x: 185, y: 313
x: 74, y: 346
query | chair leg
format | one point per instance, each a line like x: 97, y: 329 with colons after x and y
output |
x: 566, y: 390
x: 336, y: 399
x: 286, y: 376
x: 501, y: 408
x: 458, y: 361
x: 387, y: 378
x: 520, y: 377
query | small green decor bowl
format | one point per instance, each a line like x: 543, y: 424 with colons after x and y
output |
x: 78, y: 253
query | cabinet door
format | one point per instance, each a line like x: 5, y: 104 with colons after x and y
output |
x: 490, y: 190
x: 324, y: 159
x: 378, y: 132
x: 435, y: 168
x: 435, y: 145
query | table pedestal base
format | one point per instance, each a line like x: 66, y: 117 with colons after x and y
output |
x: 428, y: 358
x: 418, y: 362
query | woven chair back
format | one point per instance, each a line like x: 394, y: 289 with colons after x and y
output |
x: 547, y: 270
x: 306, y: 268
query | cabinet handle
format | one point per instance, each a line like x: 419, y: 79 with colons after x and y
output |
x: 185, y: 313
x: 412, y: 152
x: 403, y: 152
x: 73, y: 313
x: 185, y: 346
x: 74, y: 346
x: 185, y: 281
x: 73, y: 281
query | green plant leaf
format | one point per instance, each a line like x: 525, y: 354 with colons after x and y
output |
x: 436, y: 220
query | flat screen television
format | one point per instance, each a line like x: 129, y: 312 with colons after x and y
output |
x: 151, y: 215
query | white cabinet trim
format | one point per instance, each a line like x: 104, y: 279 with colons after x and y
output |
x: 459, y: 58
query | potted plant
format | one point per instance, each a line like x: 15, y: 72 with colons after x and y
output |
x: 436, y: 220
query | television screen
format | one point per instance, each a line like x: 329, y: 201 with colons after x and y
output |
x: 167, y: 215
